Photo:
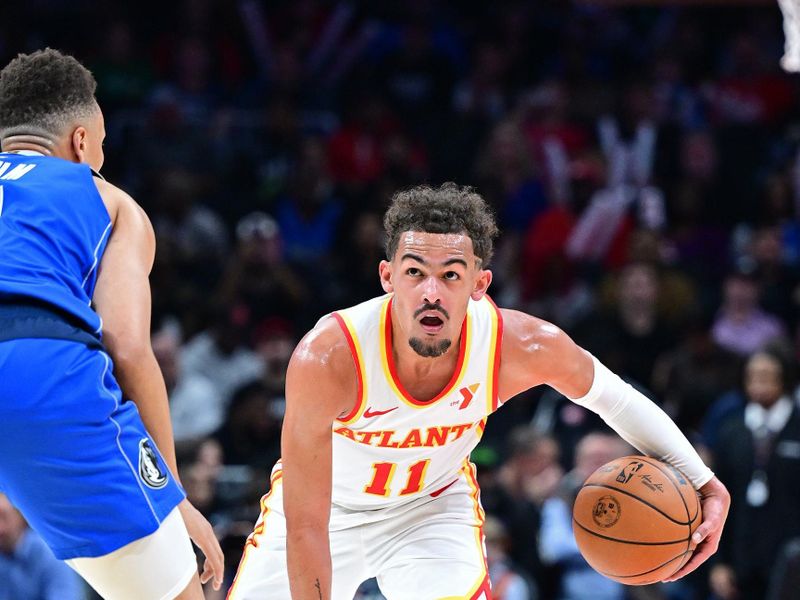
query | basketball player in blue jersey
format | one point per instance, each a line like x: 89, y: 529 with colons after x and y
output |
x: 384, y: 402
x: 85, y: 436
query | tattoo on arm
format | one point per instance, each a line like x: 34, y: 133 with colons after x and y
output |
x: 319, y: 588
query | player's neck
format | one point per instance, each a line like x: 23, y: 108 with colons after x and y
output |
x: 30, y: 143
x: 424, y: 377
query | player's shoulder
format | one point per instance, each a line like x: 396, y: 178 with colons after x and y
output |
x: 321, y: 371
x: 108, y: 189
x: 520, y: 326
x: 118, y: 202
x: 324, y: 349
x: 533, y: 351
x: 525, y: 334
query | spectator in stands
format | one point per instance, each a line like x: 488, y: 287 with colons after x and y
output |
x: 355, y: 150
x: 258, y: 276
x: 690, y: 378
x: 251, y: 434
x: 508, y: 172
x: 28, y: 569
x: 633, y: 335
x: 195, y: 405
x: 221, y: 353
x: 757, y: 456
x: 123, y: 75
x: 741, y: 325
x: 507, y: 582
x: 531, y: 474
x: 197, y: 233
x: 309, y: 214
x: 274, y: 341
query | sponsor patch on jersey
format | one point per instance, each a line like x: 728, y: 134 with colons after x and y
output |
x: 150, y: 471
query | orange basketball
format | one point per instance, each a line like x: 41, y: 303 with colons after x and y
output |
x: 633, y: 520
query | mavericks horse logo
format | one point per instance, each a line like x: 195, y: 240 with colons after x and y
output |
x: 149, y: 470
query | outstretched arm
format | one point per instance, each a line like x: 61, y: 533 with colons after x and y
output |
x: 536, y: 352
x: 320, y: 386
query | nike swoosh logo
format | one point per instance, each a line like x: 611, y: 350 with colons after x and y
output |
x: 369, y: 413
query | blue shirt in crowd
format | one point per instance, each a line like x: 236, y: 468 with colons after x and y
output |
x: 33, y: 573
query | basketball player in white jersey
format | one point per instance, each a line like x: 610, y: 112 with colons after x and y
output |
x: 385, y: 402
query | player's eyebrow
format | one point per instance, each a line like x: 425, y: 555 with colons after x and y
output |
x: 415, y: 257
x: 455, y: 261
x: 421, y: 260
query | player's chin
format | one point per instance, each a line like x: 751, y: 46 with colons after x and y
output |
x: 428, y: 347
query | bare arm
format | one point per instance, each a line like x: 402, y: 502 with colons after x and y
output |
x: 122, y: 299
x: 536, y: 352
x: 320, y: 386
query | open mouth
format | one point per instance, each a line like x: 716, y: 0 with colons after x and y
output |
x: 431, y: 324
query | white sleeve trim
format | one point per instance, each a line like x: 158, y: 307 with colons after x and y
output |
x: 642, y: 424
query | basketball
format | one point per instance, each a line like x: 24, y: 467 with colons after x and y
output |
x: 633, y: 520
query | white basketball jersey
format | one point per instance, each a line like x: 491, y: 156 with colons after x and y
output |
x: 391, y: 447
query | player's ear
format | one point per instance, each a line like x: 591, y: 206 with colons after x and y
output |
x: 79, y: 142
x: 481, y: 284
x: 385, y: 274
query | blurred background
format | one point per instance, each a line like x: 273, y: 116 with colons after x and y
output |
x: 641, y: 157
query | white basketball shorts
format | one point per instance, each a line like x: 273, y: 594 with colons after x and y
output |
x: 430, y: 548
x: 156, y: 567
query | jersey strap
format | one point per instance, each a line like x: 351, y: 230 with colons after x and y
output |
x: 494, y: 356
x: 358, y: 360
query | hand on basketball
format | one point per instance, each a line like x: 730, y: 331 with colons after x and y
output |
x: 202, y: 535
x: 715, y: 501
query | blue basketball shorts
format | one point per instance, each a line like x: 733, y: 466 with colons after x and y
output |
x: 75, y: 457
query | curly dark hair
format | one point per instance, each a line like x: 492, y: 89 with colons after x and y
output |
x: 44, y: 92
x: 449, y: 208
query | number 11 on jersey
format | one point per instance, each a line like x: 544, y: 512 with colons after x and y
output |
x: 383, y: 473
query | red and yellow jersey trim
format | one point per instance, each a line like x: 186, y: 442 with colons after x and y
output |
x: 358, y: 359
x: 493, y: 398
x: 252, y: 539
x: 390, y: 371
x: 482, y: 587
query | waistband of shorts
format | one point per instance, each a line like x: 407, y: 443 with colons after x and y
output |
x: 23, y: 318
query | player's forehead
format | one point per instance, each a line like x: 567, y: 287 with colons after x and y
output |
x: 434, y: 247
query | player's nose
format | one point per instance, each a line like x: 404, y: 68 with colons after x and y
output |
x: 431, y: 289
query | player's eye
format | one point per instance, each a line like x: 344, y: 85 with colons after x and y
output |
x: 452, y: 276
x: 413, y: 272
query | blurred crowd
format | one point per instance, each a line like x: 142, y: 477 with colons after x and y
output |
x: 643, y: 165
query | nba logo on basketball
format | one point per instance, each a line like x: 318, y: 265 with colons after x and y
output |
x: 628, y: 472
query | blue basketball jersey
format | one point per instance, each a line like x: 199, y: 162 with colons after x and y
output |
x: 53, y: 230
x: 77, y: 459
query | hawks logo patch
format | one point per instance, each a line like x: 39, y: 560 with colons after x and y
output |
x: 149, y: 470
